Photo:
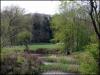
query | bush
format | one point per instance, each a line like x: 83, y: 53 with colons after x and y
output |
x: 24, y: 37
x: 93, y: 49
x: 88, y: 60
x: 20, y: 64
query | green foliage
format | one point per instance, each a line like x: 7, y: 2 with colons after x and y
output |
x: 11, y: 24
x: 88, y: 60
x: 72, y: 26
x: 93, y: 49
x: 59, y: 29
x: 14, y: 21
x: 94, y: 38
x: 88, y: 64
x: 68, y: 32
x: 24, y: 37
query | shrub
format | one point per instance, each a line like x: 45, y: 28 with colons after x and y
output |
x: 88, y: 60
x: 93, y: 49
x: 24, y: 37
x: 88, y: 64
x: 20, y: 64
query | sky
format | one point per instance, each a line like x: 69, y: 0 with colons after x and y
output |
x: 46, y: 7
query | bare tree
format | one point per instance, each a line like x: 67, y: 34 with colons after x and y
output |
x: 95, y: 17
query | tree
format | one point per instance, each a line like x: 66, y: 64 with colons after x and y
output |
x: 24, y: 37
x: 95, y: 17
x: 14, y: 20
x: 41, y: 28
x: 70, y: 27
x: 11, y: 22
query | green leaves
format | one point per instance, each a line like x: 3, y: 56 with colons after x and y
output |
x: 88, y: 59
x: 24, y: 35
x: 71, y: 27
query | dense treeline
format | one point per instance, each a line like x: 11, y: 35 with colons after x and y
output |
x: 41, y: 28
x: 14, y: 20
x: 73, y: 27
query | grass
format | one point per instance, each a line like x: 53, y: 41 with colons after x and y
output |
x: 35, y: 46
x: 31, y: 47
x: 60, y: 59
x: 61, y: 63
x: 61, y: 67
x: 56, y: 67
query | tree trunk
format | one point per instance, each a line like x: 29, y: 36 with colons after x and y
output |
x: 96, y: 24
x: 26, y: 47
x: 95, y: 27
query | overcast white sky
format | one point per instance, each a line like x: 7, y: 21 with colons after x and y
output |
x: 47, y: 7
